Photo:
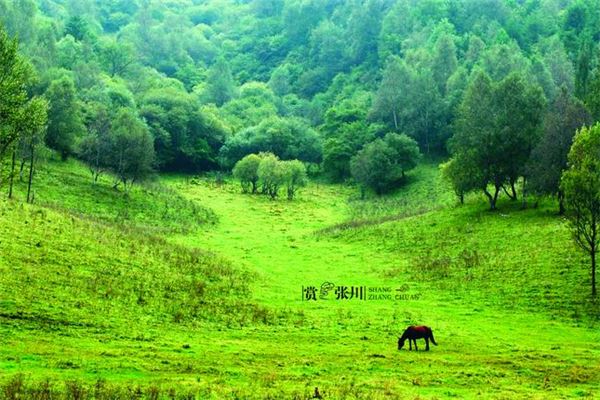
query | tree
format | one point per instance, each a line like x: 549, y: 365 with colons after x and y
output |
x: 287, y: 138
x: 117, y: 58
x: 33, y: 133
x: 392, y: 95
x: 77, y: 27
x: 14, y: 75
x: 220, y: 85
x: 581, y: 186
x: 272, y: 174
x: 384, y: 162
x: 406, y: 151
x: 462, y: 178
x: 495, y: 131
x: 374, y: 167
x: 339, y: 149
x: 444, y: 61
x: 475, y: 141
x: 295, y: 177
x: 549, y: 158
x: 246, y: 171
x: 518, y: 112
x: 185, y: 138
x: 64, y: 117
x: 94, y: 149
x: 593, y: 96
x: 30, y: 128
x: 132, y: 151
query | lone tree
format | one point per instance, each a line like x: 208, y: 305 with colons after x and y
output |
x: 246, y: 171
x: 581, y: 186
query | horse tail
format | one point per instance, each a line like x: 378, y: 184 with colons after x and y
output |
x: 432, y: 339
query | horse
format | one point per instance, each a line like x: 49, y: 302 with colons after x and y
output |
x: 412, y: 333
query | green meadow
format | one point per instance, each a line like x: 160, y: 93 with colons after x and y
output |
x: 187, y: 288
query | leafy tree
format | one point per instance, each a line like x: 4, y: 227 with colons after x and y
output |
x: 406, y: 151
x: 475, y: 141
x: 444, y: 61
x: 339, y: 149
x: 15, y: 75
x: 461, y: 176
x: 117, y: 58
x: 132, y: 151
x: 496, y: 130
x: 256, y: 103
x: 246, y: 171
x: 220, y: 85
x: 383, y: 162
x: 272, y: 174
x: 95, y: 147
x: 64, y: 117
x: 295, y: 177
x: 593, y: 96
x: 77, y: 27
x: 392, y: 96
x: 581, y: 186
x: 518, y: 112
x: 33, y: 130
x: 288, y: 138
x: 374, y: 167
x: 549, y: 158
x: 185, y: 138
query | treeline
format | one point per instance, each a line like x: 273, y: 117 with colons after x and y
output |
x: 323, y: 82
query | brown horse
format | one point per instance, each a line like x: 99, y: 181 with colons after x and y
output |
x: 412, y: 333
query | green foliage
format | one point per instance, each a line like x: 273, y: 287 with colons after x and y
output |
x: 581, y: 187
x: 549, y: 158
x: 131, y: 148
x: 220, y: 87
x: 13, y: 96
x: 272, y: 174
x: 287, y: 138
x: 246, y: 171
x: 496, y: 131
x: 383, y: 162
x: 462, y: 177
x: 295, y: 177
x: 64, y: 122
x: 185, y: 138
x: 593, y: 97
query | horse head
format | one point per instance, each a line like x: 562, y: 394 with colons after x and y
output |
x: 401, y: 343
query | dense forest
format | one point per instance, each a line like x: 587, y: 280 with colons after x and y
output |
x: 209, y: 82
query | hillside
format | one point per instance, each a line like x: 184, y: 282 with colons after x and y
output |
x: 102, y: 302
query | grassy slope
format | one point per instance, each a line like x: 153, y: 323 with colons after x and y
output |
x: 505, y: 293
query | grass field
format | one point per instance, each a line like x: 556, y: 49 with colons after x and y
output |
x: 107, y: 296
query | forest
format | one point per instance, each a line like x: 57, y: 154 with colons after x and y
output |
x: 162, y: 122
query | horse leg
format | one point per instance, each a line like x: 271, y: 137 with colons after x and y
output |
x: 410, y: 344
x: 416, y: 348
x: 426, y: 344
